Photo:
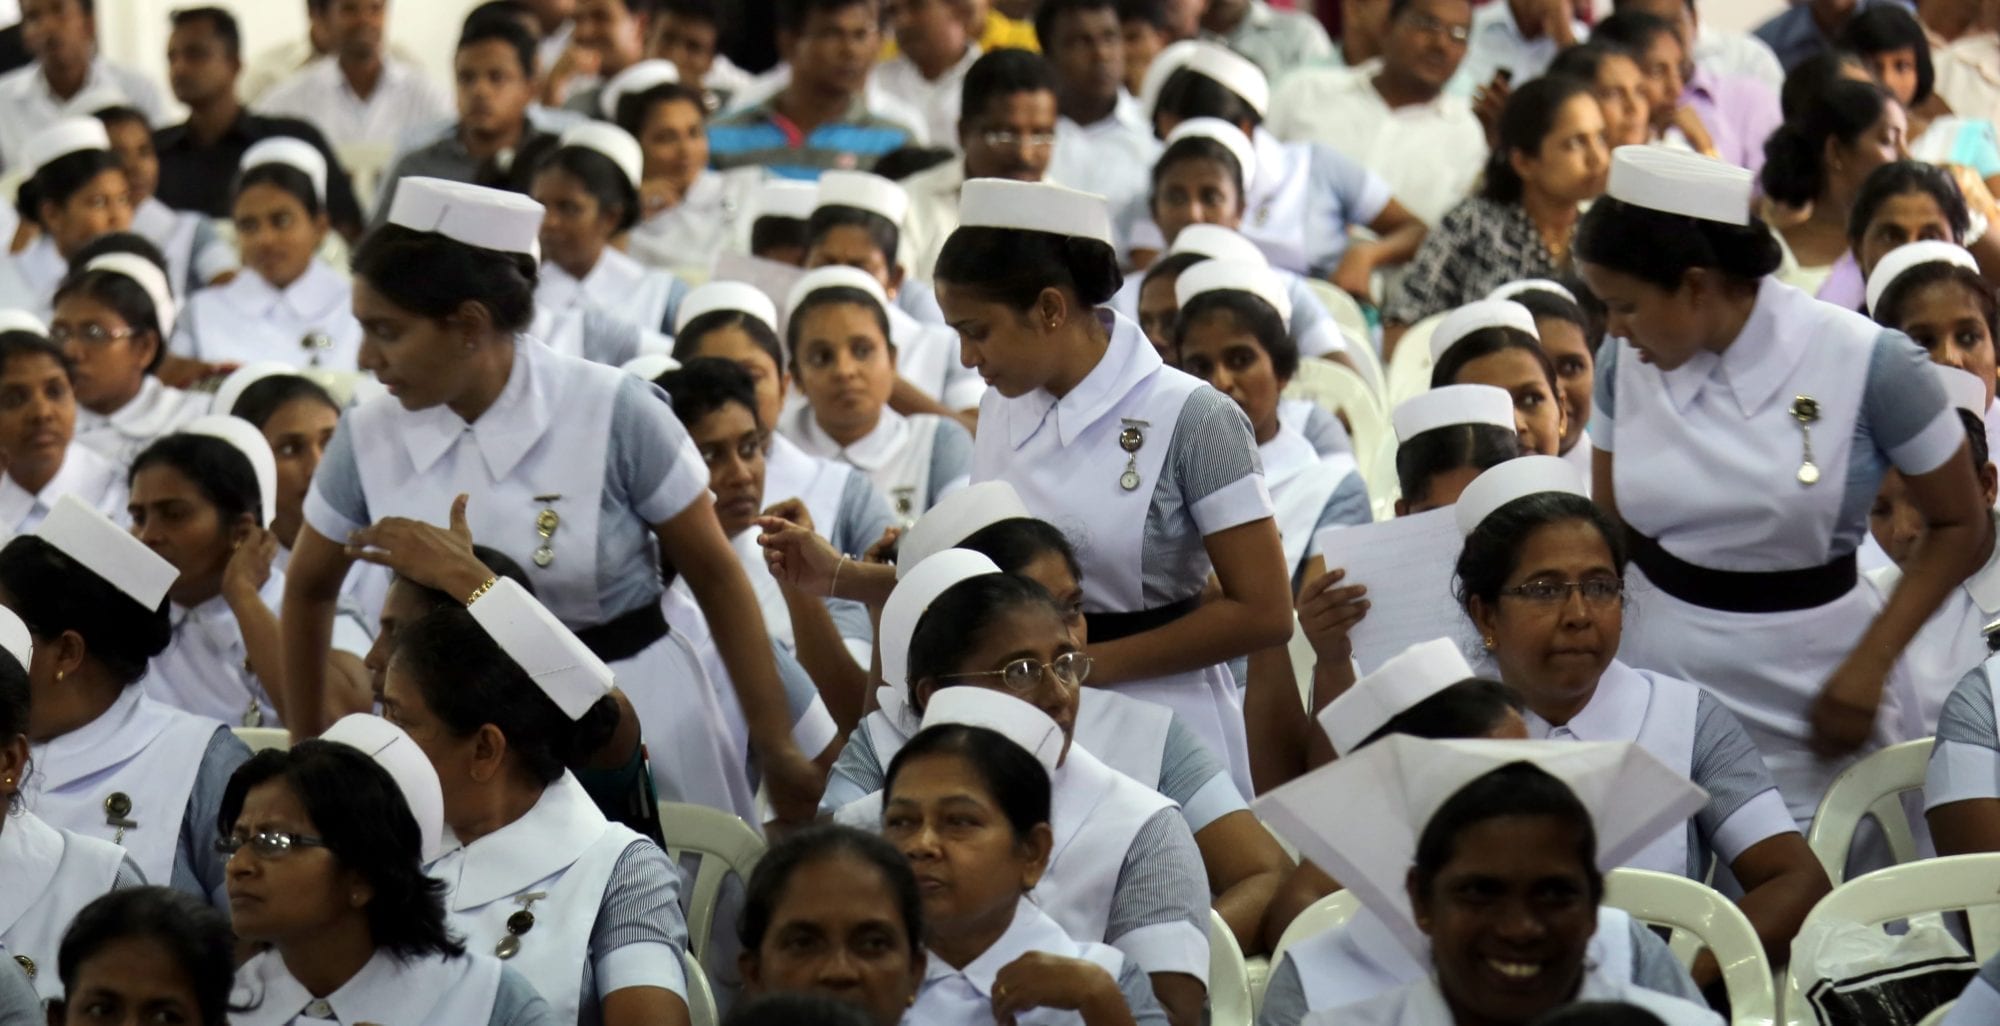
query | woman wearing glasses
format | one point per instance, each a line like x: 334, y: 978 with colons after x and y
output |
x: 112, y: 318
x: 37, y: 429
x: 1542, y: 579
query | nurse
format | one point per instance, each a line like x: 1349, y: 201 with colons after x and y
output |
x: 1495, y: 342
x: 38, y: 429
x: 111, y: 762
x: 145, y: 948
x: 1542, y: 579
x: 75, y: 191
x: 590, y: 188
x: 1934, y: 293
x: 838, y: 335
x: 1746, y: 552
x: 112, y: 319
x: 1564, y: 332
x: 1962, y: 781
x: 575, y: 468
x: 692, y: 214
x: 286, y: 305
x: 499, y: 696
x: 1152, y: 473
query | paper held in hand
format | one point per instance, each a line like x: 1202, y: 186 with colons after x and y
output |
x: 1407, y: 565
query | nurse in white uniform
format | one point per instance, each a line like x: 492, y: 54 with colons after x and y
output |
x: 187, y: 238
x: 355, y: 811
x: 76, y: 191
x: 1151, y: 473
x: 700, y: 213
x: 574, y: 468
x: 111, y: 761
x: 1542, y: 579
x: 1934, y: 293
x: 286, y: 305
x: 845, y: 366
x: 187, y: 942
x: 113, y: 319
x: 1745, y: 552
x: 498, y: 695
x: 1495, y: 342
x: 37, y: 431
x: 1561, y: 329
x: 1408, y: 823
x: 1962, y: 782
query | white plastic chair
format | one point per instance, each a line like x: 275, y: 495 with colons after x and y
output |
x: 1228, y: 976
x: 263, y: 738
x: 1410, y: 364
x: 1937, y: 1014
x: 725, y: 845
x: 1333, y: 910
x: 1354, y: 329
x: 1701, y: 918
x: 1342, y: 392
x: 701, y: 997
x: 366, y: 163
x: 1874, y: 787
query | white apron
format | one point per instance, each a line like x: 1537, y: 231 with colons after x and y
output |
x: 677, y: 754
x: 50, y: 876
x: 140, y: 749
x: 964, y: 997
x: 791, y: 473
x: 309, y: 323
x: 85, y: 473
x: 205, y: 668
x: 429, y: 989
x: 157, y: 410
x: 1275, y: 215
x: 1301, y: 482
x: 896, y: 455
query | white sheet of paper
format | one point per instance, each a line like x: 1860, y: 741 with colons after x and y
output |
x: 1407, y: 565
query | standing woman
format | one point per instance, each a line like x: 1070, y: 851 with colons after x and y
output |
x: 287, y: 305
x: 1152, y: 472
x: 37, y: 429
x: 112, y: 318
x: 1817, y: 160
x: 576, y: 468
x: 75, y: 191
x: 689, y: 214
x: 1750, y: 576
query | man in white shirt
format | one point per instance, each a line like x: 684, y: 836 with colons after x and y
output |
x: 1393, y: 116
x: 275, y: 64
x: 1276, y: 41
x: 1103, y: 143
x: 1517, y: 37
x: 935, y: 46
x: 67, y: 78
x: 1008, y: 130
x: 358, y: 95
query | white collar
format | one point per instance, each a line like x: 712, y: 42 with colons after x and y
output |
x: 550, y: 837
x: 315, y: 294
x: 1615, y: 712
x: 609, y: 284
x: 1754, y: 366
x: 84, y: 473
x: 386, y: 989
x: 870, y: 453
x: 32, y: 851
x: 116, y: 735
x: 1286, y: 455
x: 1031, y: 930
x: 505, y: 432
x: 151, y: 413
x: 1127, y: 360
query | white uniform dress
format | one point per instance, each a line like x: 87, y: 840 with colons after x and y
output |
x: 813, y: 728
x: 1422, y: 1004
x: 1707, y: 477
x: 709, y: 220
x: 596, y: 456
x: 471, y: 989
x: 1311, y: 493
x: 28, y: 279
x: 645, y: 297
x: 205, y: 669
x: 605, y: 903
x: 1193, y: 473
x: 51, y: 875
x: 157, y: 410
x: 964, y: 997
x: 1948, y: 646
x: 309, y: 323
x: 1980, y: 1004
x: 915, y: 460
x: 95, y: 480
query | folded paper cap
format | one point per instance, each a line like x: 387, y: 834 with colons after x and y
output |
x: 1911, y: 255
x: 59, y: 140
x: 553, y: 657
x: 1257, y: 279
x: 297, y: 154
x: 1964, y: 389
x: 649, y: 366
x: 1002, y: 713
x: 1231, y: 138
x: 1360, y: 817
x: 783, y: 198
x: 14, y: 637
x: 1233, y: 72
x: 726, y: 295
x: 1513, y: 479
x: 611, y: 142
x: 22, y: 320
x: 406, y: 764
x: 240, y: 380
x: 1478, y: 315
x: 1034, y: 207
x: 834, y: 276
x: 107, y: 550
x: 955, y: 518
x: 148, y: 276
x: 913, y: 594
x: 1452, y: 404
x: 863, y: 191
x: 1515, y: 288
x: 1173, y: 57
x: 636, y: 78
x: 244, y: 437
x: 1679, y: 182
x: 476, y: 216
x: 1408, y: 678
x: 1218, y: 243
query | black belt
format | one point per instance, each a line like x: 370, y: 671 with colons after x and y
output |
x: 1737, y: 591
x: 1112, y: 626
x: 623, y: 637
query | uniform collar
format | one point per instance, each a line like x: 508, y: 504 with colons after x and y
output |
x: 387, y: 989
x: 505, y: 432
x: 610, y: 283
x: 1286, y: 455
x: 561, y: 826
x: 151, y: 413
x: 1764, y: 353
x: 314, y: 294
x: 120, y: 732
x: 1615, y: 712
x: 1984, y: 584
x: 216, y: 622
x: 84, y: 474
x: 871, y: 453
x: 1031, y: 930
x: 32, y: 852
x: 153, y: 219
x: 1127, y: 360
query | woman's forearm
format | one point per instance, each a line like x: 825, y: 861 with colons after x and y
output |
x: 1216, y: 632
x: 823, y: 653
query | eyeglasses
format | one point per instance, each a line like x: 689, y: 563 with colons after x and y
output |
x: 1002, y: 139
x: 1596, y: 592
x: 1070, y: 669
x: 89, y: 334
x: 1426, y: 24
x: 269, y: 844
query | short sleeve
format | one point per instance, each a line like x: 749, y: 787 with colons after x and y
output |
x: 219, y: 761
x: 1348, y: 506
x: 1743, y: 803
x: 1654, y: 966
x: 1139, y: 998
x: 1213, y: 461
x: 856, y: 774
x: 1965, y: 760
x: 610, y: 340
x: 641, y: 910
x: 864, y: 514
x: 1604, y: 394
x: 1980, y: 1004
x: 1190, y: 775
x: 812, y: 725
x: 516, y: 1003
x: 1905, y: 409
x: 1313, y: 328
x: 951, y: 460
x: 1363, y: 194
x: 651, y: 453
x: 336, y: 505
x: 1284, y: 996
x: 1159, y: 907
x: 1325, y: 431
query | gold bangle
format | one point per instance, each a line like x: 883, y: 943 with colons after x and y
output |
x: 833, y: 586
x: 483, y: 589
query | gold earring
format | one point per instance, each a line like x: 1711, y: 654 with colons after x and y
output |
x: 1489, y: 642
x: 59, y: 674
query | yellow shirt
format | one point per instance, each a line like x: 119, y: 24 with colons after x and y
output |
x: 1001, y: 33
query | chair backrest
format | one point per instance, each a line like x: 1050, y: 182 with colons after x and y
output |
x: 701, y: 996
x: 263, y: 738
x: 1410, y: 364
x: 1701, y: 918
x: 1325, y: 914
x: 1342, y: 392
x: 1228, y: 976
x: 1873, y: 787
x: 366, y: 164
x: 725, y: 845
x: 1354, y: 329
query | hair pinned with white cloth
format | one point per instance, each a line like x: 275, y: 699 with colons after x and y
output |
x: 955, y: 518
x: 780, y: 197
x: 550, y: 654
x: 1034, y: 207
x: 1910, y: 256
x: 297, y: 154
x: 1002, y: 713
x: 834, y: 276
x: 610, y: 142
x: 863, y: 191
x: 1406, y: 679
x: 636, y: 78
x: 1229, y: 136
x: 62, y: 138
x: 22, y: 320
x: 1217, y: 243
x: 1233, y: 72
x: 913, y: 594
x: 1256, y: 279
x: 14, y: 637
x: 734, y: 296
x: 239, y: 381
x: 148, y: 276
x: 398, y: 755
x: 1677, y: 182
x: 473, y: 215
x: 108, y: 551
x: 1515, y: 289
x: 1452, y: 404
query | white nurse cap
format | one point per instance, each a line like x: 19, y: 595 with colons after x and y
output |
x: 1234, y: 276
x: 1360, y: 817
x: 1217, y: 243
x: 487, y: 218
x: 406, y: 764
x: 955, y: 518
x: 1411, y: 676
x: 239, y: 381
x: 1516, y: 288
x: 734, y: 296
x: 59, y: 140
x: 148, y: 276
x: 14, y: 637
x: 554, y: 658
x: 1170, y: 59
x: 1010, y: 717
x: 1452, y: 404
x: 649, y: 366
x: 1233, y: 72
x: 1034, y: 207
x: 636, y: 78
x: 863, y: 191
x: 244, y: 437
x: 1964, y: 389
x: 105, y: 549
x: 913, y: 594
x: 22, y: 320
x: 1514, y: 479
x: 1677, y: 182
x: 1477, y: 315
x: 834, y: 276
x: 1912, y: 255
x: 781, y: 198
x: 611, y: 142
x: 297, y: 154
x: 1231, y: 138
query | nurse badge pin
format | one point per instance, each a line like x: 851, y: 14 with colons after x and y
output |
x: 1805, y: 410
x: 316, y: 345
x: 117, y: 807
x: 518, y: 924
x: 546, y: 523
x: 1130, y: 438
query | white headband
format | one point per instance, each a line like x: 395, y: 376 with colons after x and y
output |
x: 1477, y: 315
x: 293, y: 153
x: 1234, y: 276
x: 1514, y: 479
x: 1034, y: 207
x: 148, y: 276
x: 1231, y: 138
x: 735, y: 296
x: 244, y: 437
x: 1452, y: 404
x: 636, y: 78
x: 1514, y: 289
x: 834, y: 276
x: 1912, y: 255
x: 611, y: 142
